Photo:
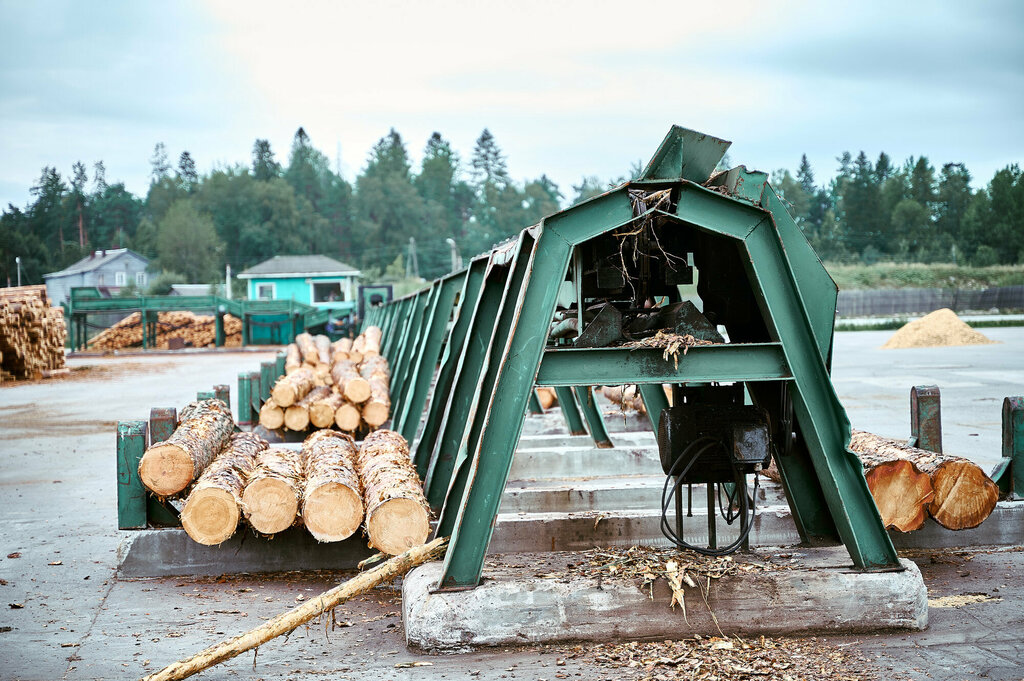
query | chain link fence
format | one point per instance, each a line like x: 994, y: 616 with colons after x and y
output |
x: 882, y: 302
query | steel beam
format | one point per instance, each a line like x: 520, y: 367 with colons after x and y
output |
x: 413, y: 347
x: 926, y: 418
x: 131, y: 494
x: 595, y: 424
x: 1009, y: 475
x: 570, y: 411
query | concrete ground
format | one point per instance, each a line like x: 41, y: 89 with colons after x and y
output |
x: 64, y: 614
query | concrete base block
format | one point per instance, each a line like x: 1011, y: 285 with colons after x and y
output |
x: 512, y: 607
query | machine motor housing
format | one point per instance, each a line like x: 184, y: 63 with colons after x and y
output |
x: 741, y: 429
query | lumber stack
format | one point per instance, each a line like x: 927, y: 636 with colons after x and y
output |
x: 32, y: 333
x: 345, y: 385
x: 197, y: 331
x: 332, y: 495
x: 170, y: 466
x: 906, y: 482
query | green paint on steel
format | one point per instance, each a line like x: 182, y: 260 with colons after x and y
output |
x: 491, y: 459
x: 244, y: 414
x: 162, y: 422
x: 535, y: 407
x: 440, y: 398
x: 131, y: 494
x: 268, y: 376
x: 466, y: 469
x: 223, y: 393
x: 926, y: 418
x: 822, y: 419
x: 701, y: 364
x: 655, y: 402
x: 570, y: 410
x: 205, y: 395
x: 461, y: 407
x: 254, y: 395
x: 433, y: 339
x: 413, y: 348
x: 218, y: 330
x: 595, y: 424
x: 685, y: 154
x: 1009, y: 475
x: 279, y: 362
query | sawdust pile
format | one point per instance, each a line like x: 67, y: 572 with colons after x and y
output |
x: 732, y: 659
x: 937, y: 329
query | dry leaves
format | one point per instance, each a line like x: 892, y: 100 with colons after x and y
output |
x: 670, y: 342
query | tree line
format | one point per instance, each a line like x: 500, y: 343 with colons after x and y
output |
x: 190, y: 225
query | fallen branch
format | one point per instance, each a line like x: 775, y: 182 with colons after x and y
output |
x: 289, y: 621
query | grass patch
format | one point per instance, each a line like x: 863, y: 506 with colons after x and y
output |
x: 917, y: 275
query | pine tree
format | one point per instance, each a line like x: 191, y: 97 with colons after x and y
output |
x: 161, y: 167
x: 188, y: 178
x: 79, y: 178
x: 488, y: 164
x: 99, y: 175
x: 264, y: 166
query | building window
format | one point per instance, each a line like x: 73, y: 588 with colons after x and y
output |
x: 120, y: 278
x: 264, y: 291
x: 140, y: 279
x: 328, y: 292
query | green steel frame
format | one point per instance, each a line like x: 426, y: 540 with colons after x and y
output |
x: 496, y: 353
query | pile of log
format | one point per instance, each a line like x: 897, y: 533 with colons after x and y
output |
x: 343, y: 385
x: 32, y: 334
x: 909, y: 484
x: 196, y: 331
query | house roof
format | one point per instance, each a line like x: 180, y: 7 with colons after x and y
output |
x: 94, y: 260
x: 283, y: 266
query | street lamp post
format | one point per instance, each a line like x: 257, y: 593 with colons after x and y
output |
x: 17, y: 261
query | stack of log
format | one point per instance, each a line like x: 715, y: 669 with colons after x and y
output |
x: 196, y: 331
x: 225, y: 477
x: 345, y: 384
x: 32, y: 334
x: 910, y: 484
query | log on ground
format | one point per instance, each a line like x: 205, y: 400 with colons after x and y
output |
x: 626, y: 396
x: 348, y: 417
x: 963, y: 494
x: 377, y: 408
x: 271, y: 415
x: 292, y: 387
x: 397, y: 515
x: 168, y: 467
x: 332, y: 501
x: 213, y: 507
x: 271, y: 498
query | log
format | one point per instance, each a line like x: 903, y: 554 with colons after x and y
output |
x: 213, y: 507
x: 377, y: 408
x: 307, y: 348
x: 626, y: 396
x: 292, y: 359
x: 332, y: 499
x: 900, y: 490
x: 340, y: 349
x: 292, y: 387
x: 296, y: 417
x: 397, y: 515
x: 270, y: 501
x: 350, y: 383
x: 348, y: 417
x: 359, y: 344
x: 371, y: 338
x: 299, y: 615
x: 547, y: 397
x: 32, y: 334
x: 321, y: 411
x: 168, y: 467
x: 323, y: 349
x: 193, y: 330
x: 963, y: 494
x: 271, y: 415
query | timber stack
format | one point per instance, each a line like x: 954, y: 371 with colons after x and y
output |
x: 345, y: 385
x: 32, y: 334
x: 196, y: 331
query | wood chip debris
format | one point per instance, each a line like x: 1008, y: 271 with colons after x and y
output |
x: 729, y: 659
x: 960, y: 600
x: 671, y: 343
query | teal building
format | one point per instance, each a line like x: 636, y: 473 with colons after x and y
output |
x: 315, y: 280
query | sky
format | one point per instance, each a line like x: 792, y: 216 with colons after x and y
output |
x: 568, y: 89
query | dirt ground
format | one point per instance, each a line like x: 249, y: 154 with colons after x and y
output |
x: 65, y: 614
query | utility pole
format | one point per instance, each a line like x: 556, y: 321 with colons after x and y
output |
x: 456, y: 258
x: 227, y: 281
x: 17, y: 261
x: 412, y: 265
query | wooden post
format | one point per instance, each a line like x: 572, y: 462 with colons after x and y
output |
x: 131, y: 495
x: 925, y: 418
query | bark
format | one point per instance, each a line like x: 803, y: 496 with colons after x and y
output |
x: 271, y: 415
x: 372, y: 338
x: 307, y: 348
x: 293, y: 359
x: 963, y: 495
x: 547, y: 397
x: 397, y: 515
x: 168, y: 467
x: 213, y: 507
x: 299, y: 615
x: 377, y: 408
x: 627, y: 396
x: 332, y: 499
x: 321, y: 411
x: 340, y: 349
x: 323, y: 349
x: 359, y: 345
x: 346, y: 377
x: 32, y: 334
x: 181, y: 327
x: 296, y: 417
x: 272, y: 493
x: 292, y: 387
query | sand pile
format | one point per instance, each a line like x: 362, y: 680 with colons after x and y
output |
x: 937, y: 329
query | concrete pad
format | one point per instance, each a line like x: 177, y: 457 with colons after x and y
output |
x: 822, y: 593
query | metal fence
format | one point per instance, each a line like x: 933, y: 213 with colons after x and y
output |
x: 877, y: 302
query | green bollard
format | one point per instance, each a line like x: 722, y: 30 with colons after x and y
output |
x: 131, y: 494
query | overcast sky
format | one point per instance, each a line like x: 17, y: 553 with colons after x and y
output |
x: 567, y: 88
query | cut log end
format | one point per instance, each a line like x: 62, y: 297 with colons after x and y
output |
x: 321, y: 414
x: 166, y: 469
x: 357, y: 390
x: 271, y: 416
x: 271, y: 506
x: 284, y: 394
x: 902, y: 493
x: 376, y: 414
x: 347, y: 417
x: 210, y: 516
x: 296, y: 418
x: 397, y: 525
x: 332, y: 512
x: 964, y: 495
